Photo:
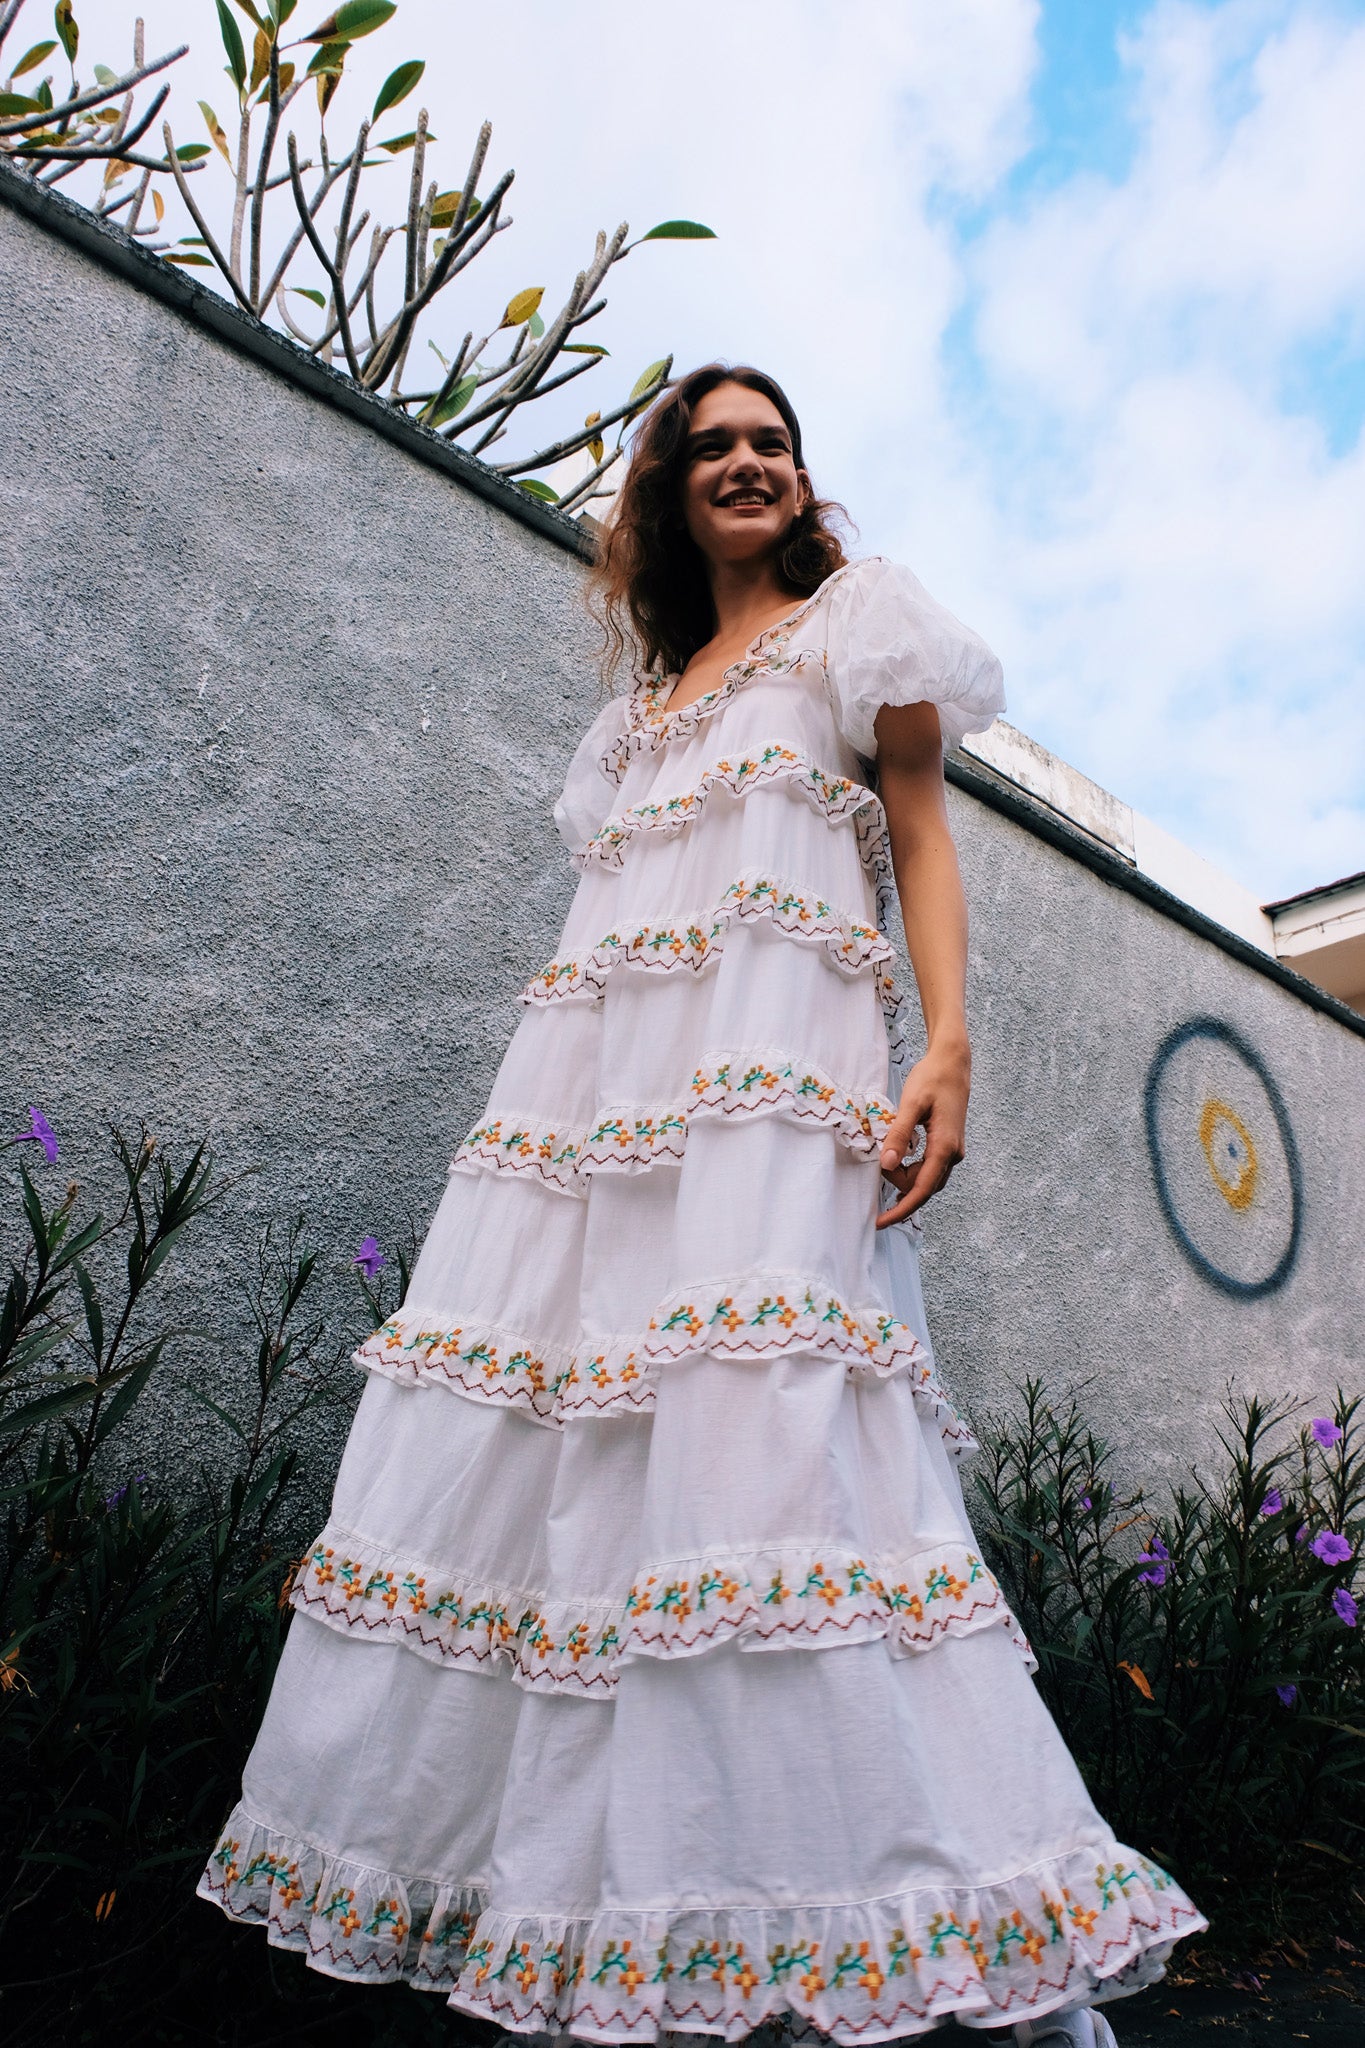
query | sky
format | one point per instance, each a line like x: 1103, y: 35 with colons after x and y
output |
x: 1070, y: 298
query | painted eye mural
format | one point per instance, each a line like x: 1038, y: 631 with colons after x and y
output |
x: 1223, y: 1158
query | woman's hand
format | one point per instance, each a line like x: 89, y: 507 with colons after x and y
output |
x: 933, y: 1099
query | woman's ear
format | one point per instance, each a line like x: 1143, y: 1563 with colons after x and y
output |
x: 805, y: 490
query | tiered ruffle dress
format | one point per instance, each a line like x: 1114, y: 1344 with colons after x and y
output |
x: 647, y: 1675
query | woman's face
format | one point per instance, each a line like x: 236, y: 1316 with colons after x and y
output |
x: 741, y: 488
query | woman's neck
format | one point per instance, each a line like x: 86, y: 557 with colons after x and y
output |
x: 747, y: 596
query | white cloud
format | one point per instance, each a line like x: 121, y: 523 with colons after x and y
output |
x: 1181, y: 556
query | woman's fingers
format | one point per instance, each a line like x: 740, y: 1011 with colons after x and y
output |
x: 920, y: 1181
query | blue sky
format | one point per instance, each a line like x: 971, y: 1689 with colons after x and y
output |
x: 1070, y: 296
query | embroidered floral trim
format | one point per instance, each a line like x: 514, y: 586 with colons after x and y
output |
x: 631, y: 1140
x: 614, y: 1375
x: 1081, y: 1926
x: 780, y: 1599
x: 698, y: 943
x: 836, y: 797
x: 649, y: 723
x: 347, y: 1918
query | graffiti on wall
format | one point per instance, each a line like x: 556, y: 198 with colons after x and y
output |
x: 1224, y: 1158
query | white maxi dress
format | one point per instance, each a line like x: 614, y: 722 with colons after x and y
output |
x: 647, y: 1675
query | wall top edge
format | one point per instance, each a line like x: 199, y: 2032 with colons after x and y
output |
x: 1043, y: 822
x: 109, y: 245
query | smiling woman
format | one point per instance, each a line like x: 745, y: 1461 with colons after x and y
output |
x: 659, y: 1419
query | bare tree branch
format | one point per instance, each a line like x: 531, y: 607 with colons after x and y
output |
x: 177, y: 172
x: 100, y: 96
x: 338, y: 289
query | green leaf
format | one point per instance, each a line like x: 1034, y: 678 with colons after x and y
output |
x: 329, y: 59
x: 280, y: 11
x: 398, y: 85
x: 584, y: 348
x: 536, y: 325
x: 104, y: 76
x: 65, y: 23
x: 306, y: 291
x: 232, y: 43
x: 15, y: 103
x: 647, y: 379
x: 456, y: 401
x: 187, y: 256
x: 45, y: 95
x: 251, y: 14
x: 70, y: 1394
x: 680, y: 231
x: 398, y: 143
x: 357, y: 18
x: 534, y: 488
x: 190, y: 152
x: 32, y: 58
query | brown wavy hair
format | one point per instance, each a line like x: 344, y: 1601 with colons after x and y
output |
x: 650, y: 592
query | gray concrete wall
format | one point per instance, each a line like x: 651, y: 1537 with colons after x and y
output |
x: 284, y: 712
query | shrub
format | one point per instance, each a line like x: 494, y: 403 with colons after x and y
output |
x: 1203, y: 1658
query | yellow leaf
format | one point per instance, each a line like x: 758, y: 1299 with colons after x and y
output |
x: 215, y: 128
x: 520, y: 309
x: 286, y: 77
x: 1138, y: 1676
x: 597, y: 447
x: 114, y: 170
x: 260, y: 59
x: 158, y: 206
x: 444, y: 206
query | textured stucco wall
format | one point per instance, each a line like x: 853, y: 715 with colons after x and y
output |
x: 284, y: 711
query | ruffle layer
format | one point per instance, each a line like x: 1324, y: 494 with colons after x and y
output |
x: 697, y: 942
x: 1083, y: 1924
x: 754, y: 1319
x: 629, y: 1139
x: 770, y: 1599
x: 649, y: 725
x: 837, y: 798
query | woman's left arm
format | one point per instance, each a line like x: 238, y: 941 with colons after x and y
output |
x: 910, y: 773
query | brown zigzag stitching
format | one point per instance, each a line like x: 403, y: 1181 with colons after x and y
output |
x: 458, y: 1652
x: 880, y: 2018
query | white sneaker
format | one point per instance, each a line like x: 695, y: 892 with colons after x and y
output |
x: 1080, y: 2026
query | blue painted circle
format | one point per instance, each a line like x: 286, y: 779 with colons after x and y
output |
x: 1233, y: 1159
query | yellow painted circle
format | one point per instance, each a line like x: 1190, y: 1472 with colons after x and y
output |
x: 1230, y: 1151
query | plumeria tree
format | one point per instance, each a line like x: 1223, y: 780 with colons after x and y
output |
x: 296, y: 228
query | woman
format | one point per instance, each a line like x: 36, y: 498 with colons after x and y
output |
x: 661, y: 1396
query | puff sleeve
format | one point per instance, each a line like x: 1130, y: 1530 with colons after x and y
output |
x: 589, y: 791
x: 891, y: 643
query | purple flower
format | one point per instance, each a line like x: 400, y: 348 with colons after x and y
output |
x: 1301, y: 1533
x: 1331, y: 1548
x: 111, y: 1500
x: 369, y: 1258
x: 1286, y: 1694
x: 1344, y: 1607
x: 1324, y: 1431
x: 1157, y: 1560
x: 1273, y: 1502
x: 41, y: 1130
